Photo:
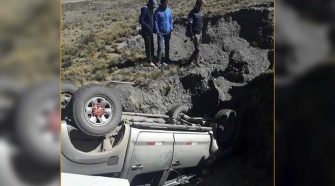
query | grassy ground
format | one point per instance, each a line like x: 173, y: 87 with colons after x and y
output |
x: 93, y: 32
x: 29, y: 39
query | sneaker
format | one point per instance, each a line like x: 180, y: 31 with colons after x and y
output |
x: 157, y: 64
x: 164, y: 64
x: 153, y: 65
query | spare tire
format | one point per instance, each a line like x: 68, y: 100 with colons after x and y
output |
x: 227, y: 129
x: 68, y: 89
x: 37, y: 125
x: 96, y: 110
x: 10, y: 91
x: 225, y: 114
x: 175, y: 111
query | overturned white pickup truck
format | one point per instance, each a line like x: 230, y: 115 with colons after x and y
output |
x: 146, y: 149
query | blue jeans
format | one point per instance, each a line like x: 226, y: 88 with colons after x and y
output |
x: 163, y: 42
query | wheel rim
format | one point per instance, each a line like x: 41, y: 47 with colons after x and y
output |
x: 47, y: 122
x: 98, y: 111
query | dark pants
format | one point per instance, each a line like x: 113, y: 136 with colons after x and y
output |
x: 196, y: 42
x: 149, y: 46
x: 163, y: 40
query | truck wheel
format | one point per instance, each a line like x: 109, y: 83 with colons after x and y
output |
x: 225, y: 114
x: 227, y: 129
x: 68, y: 89
x: 96, y: 110
x: 175, y: 111
x: 37, y: 125
x: 10, y: 91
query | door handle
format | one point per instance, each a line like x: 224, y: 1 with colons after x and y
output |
x: 136, y: 167
x: 176, y: 163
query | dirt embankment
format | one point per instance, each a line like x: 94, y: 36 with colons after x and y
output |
x: 231, y: 58
x: 236, y: 73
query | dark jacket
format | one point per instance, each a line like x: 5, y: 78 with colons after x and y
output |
x: 163, y: 20
x: 146, y: 21
x: 195, y: 23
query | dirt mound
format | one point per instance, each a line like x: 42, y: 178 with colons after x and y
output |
x: 156, y: 98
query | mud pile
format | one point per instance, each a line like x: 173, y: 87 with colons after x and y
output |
x: 236, y: 73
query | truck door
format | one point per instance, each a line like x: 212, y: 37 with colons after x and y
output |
x: 190, y: 153
x: 152, y: 156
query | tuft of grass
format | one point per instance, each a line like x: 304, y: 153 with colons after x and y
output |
x: 138, y: 77
x: 86, y: 37
x: 132, y: 55
x: 69, y: 50
x: 118, y: 30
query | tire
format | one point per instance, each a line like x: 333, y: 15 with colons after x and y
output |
x: 10, y: 91
x: 227, y: 129
x: 68, y: 89
x: 224, y: 114
x: 37, y: 125
x: 175, y: 111
x: 88, y: 107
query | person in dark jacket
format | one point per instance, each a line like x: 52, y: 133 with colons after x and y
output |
x: 146, y: 21
x: 163, y: 26
x: 194, y: 29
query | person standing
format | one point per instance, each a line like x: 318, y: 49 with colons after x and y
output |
x: 194, y: 29
x: 163, y: 26
x: 146, y: 21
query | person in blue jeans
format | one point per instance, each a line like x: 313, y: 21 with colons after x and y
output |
x: 163, y: 26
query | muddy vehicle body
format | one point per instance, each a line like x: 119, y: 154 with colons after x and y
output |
x: 145, y: 149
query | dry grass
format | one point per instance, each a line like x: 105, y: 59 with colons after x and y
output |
x: 144, y: 77
x: 91, y: 42
x: 86, y: 58
x: 29, y: 37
